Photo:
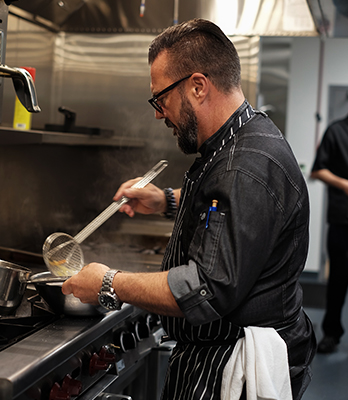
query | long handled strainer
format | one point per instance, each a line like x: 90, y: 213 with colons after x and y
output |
x: 62, y: 253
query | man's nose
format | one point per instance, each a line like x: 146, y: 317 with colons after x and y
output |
x: 159, y: 115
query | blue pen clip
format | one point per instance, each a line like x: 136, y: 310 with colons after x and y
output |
x: 212, y: 208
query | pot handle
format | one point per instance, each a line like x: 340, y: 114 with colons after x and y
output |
x: 48, y: 280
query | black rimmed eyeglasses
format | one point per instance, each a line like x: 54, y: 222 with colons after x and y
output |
x: 154, y: 99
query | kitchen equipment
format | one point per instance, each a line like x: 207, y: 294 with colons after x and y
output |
x: 62, y: 253
x: 48, y: 355
x: 51, y: 292
x: 69, y: 125
x: 12, y: 286
x: 83, y: 358
x: 24, y: 86
x: 22, y: 118
x: 13, y: 281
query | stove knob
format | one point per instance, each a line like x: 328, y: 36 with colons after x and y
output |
x: 107, y: 354
x: 97, y: 364
x: 141, y: 330
x: 153, y: 320
x: 57, y: 393
x: 127, y: 341
x: 71, y: 386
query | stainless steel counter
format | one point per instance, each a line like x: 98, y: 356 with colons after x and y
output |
x: 64, y: 347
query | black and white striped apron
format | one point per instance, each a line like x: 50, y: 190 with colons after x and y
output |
x: 197, y: 362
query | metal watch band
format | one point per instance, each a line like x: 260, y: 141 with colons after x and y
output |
x: 171, y: 203
x: 108, y: 279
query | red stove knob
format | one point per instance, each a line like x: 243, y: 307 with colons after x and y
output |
x: 97, y: 364
x: 101, y: 361
x: 57, y: 393
x: 107, y: 355
x: 71, y: 386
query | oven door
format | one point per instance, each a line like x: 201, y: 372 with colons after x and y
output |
x: 142, y: 381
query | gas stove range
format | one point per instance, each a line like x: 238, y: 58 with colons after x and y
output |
x: 117, y: 355
x: 78, y: 357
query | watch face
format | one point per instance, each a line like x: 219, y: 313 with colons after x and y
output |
x: 109, y: 302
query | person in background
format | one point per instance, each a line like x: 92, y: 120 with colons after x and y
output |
x: 229, y: 285
x: 331, y: 167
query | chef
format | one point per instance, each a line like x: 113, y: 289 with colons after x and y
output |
x: 229, y: 291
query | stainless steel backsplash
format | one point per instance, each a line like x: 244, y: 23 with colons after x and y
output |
x: 105, y: 79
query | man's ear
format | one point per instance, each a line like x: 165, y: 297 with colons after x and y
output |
x: 200, y: 86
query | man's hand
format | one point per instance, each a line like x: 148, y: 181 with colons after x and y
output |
x: 147, y: 200
x: 87, y: 283
x: 149, y: 291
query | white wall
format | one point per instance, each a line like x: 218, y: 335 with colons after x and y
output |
x: 301, y: 122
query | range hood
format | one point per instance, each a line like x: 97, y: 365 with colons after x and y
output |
x: 236, y: 17
x: 330, y: 16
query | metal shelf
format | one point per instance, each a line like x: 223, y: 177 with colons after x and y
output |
x: 10, y: 136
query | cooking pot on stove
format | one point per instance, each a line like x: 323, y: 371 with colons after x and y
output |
x: 13, y: 282
x: 51, y: 292
x: 12, y: 286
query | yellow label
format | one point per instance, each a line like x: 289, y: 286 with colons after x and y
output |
x: 22, y: 117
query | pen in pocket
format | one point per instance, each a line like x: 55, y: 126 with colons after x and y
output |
x: 212, y: 208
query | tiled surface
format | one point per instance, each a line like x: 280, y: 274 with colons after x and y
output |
x: 330, y: 372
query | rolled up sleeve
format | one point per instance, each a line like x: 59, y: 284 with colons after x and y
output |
x: 191, y: 295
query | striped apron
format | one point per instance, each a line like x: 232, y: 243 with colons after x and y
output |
x: 198, y: 360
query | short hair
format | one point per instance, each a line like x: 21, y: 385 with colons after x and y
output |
x: 199, y: 46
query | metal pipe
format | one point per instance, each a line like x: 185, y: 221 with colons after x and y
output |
x: 176, y: 12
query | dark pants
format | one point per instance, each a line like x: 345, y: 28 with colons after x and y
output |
x: 337, y: 244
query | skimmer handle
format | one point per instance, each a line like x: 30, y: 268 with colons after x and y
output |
x: 116, y: 205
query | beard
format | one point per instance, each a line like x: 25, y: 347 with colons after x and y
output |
x: 187, y: 128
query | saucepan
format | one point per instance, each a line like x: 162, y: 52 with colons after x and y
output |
x: 12, y: 286
x: 13, y: 282
x: 50, y: 289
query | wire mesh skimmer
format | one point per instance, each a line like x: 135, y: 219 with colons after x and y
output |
x: 62, y: 253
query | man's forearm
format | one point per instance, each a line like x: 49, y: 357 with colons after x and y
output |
x: 331, y: 179
x: 177, y: 193
x: 149, y: 291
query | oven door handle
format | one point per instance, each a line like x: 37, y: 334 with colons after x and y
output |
x: 98, y: 388
x: 96, y: 392
x: 109, y: 396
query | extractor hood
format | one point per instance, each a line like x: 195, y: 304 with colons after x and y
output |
x: 330, y: 16
x: 236, y: 17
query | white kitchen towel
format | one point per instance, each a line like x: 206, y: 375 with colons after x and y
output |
x: 260, y: 359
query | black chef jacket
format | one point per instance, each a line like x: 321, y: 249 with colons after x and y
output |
x: 241, y: 265
x: 332, y: 154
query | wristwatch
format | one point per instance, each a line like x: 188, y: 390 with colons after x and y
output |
x: 107, y: 296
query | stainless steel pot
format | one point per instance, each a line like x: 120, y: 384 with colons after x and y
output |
x: 14, y: 279
x: 12, y: 286
x: 51, y: 292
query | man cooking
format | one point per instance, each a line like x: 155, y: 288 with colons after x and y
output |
x: 229, y: 285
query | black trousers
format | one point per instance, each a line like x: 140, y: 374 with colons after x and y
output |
x: 337, y: 244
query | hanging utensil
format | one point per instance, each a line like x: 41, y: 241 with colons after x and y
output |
x: 62, y: 253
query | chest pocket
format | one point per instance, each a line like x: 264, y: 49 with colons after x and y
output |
x: 204, y: 246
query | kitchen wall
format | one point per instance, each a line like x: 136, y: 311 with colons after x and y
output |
x: 304, y: 133
x: 105, y: 79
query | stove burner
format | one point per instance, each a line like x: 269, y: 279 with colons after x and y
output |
x: 35, y: 316
x: 15, y: 329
